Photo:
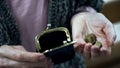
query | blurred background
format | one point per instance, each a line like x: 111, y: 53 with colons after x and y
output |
x: 111, y: 10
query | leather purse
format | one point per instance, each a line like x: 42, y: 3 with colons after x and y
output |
x: 56, y: 43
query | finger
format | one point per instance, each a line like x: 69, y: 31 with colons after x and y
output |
x: 87, y: 50
x: 80, y: 42
x: 34, y: 65
x: 79, y: 45
x: 19, y: 55
x: 47, y: 63
x: 105, y: 50
x: 31, y: 57
x: 95, y: 52
x: 50, y: 63
x: 19, y: 47
x: 109, y: 32
x: 7, y: 63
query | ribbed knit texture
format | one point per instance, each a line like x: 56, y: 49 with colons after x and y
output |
x: 61, y: 11
x: 9, y: 33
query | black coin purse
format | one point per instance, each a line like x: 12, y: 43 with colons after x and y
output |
x: 56, y: 44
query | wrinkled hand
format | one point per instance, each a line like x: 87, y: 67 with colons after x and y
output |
x: 18, y: 57
x: 85, y: 23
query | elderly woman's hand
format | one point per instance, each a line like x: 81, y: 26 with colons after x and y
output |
x: 18, y: 57
x: 86, y: 23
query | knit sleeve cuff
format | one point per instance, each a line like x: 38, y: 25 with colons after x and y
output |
x: 85, y: 9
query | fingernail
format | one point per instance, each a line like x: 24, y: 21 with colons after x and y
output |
x: 42, y: 57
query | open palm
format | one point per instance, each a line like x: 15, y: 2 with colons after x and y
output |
x: 96, y: 23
